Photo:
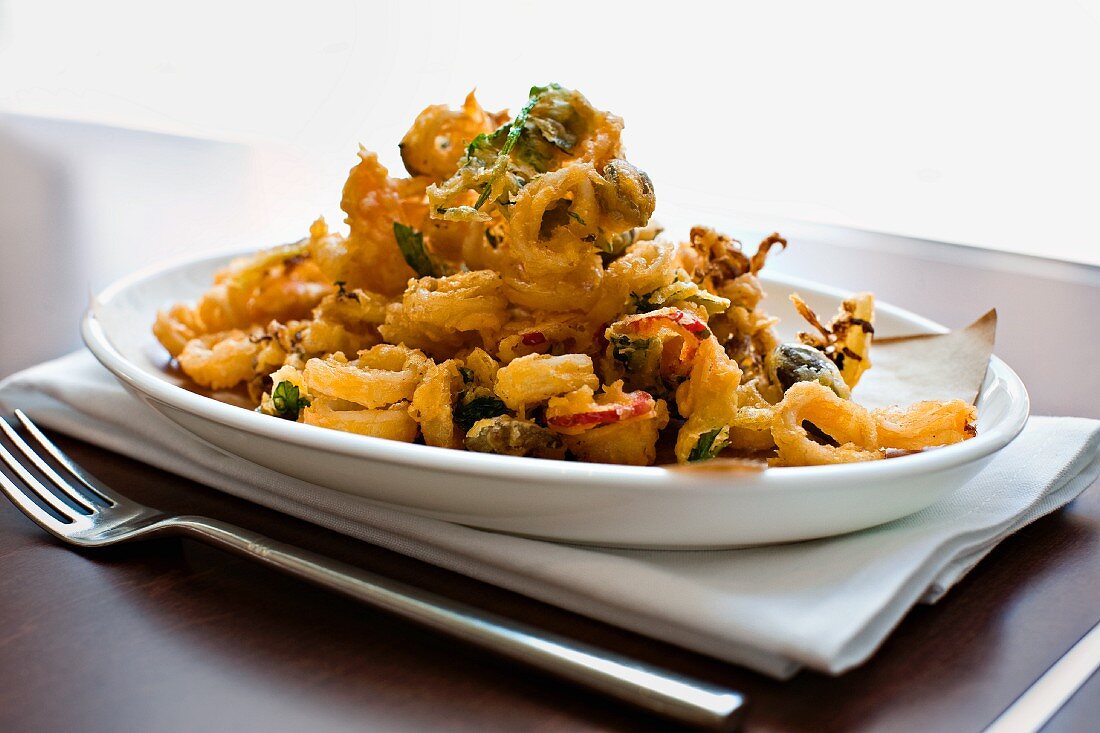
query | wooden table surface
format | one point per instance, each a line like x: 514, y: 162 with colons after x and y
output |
x: 174, y: 636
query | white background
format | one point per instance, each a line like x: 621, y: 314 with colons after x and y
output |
x: 971, y: 122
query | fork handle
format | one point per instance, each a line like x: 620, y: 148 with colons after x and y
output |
x: 678, y: 697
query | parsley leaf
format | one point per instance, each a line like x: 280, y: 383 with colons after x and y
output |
x: 481, y: 140
x: 411, y: 244
x: 631, y: 353
x: 484, y: 195
x: 527, y: 153
x: 288, y: 401
x: 644, y: 303
x: 709, y: 445
x: 521, y: 119
x: 485, y: 142
x: 514, y: 131
x: 680, y: 289
x: 479, y: 408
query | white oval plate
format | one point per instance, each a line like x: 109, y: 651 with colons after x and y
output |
x: 570, y: 501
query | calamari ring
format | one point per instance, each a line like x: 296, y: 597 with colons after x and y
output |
x: 392, y: 423
x: 530, y: 380
x: 708, y: 399
x: 925, y: 424
x: 383, y: 375
x: 432, y: 405
x: 642, y: 268
x: 176, y: 326
x: 434, y: 144
x: 220, y: 360
x: 846, y: 422
x: 559, y: 269
x: 751, y: 428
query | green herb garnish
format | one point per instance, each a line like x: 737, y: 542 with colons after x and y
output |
x: 514, y: 131
x: 712, y: 303
x: 288, y: 401
x: 478, y: 408
x: 573, y: 215
x: 644, y: 303
x: 411, y: 244
x: 631, y: 353
x: 485, y: 141
x: 679, y: 290
x: 482, y: 140
x: 709, y: 444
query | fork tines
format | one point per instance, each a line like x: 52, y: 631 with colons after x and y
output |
x: 66, y: 503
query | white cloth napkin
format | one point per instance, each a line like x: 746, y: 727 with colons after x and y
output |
x: 825, y: 604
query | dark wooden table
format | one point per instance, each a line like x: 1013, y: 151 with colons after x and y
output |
x: 174, y: 636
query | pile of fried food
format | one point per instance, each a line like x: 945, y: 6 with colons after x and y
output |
x: 511, y: 296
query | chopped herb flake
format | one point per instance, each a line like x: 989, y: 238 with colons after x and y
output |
x: 644, y: 303
x: 288, y: 401
x: 477, y: 142
x: 479, y: 408
x: 680, y: 290
x: 709, y: 445
x: 484, y: 193
x: 411, y: 244
x: 631, y: 353
x: 514, y: 131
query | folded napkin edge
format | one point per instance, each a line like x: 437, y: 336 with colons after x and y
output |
x: 780, y: 662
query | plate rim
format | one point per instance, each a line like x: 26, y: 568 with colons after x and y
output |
x: 452, y: 461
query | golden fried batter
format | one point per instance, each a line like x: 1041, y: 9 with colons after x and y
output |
x: 513, y: 296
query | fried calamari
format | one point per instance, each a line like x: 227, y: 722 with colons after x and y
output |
x: 513, y: 296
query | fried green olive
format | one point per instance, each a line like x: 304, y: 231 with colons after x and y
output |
x: 792, y: 363
x: 628, y: 195
x: 511, y: 436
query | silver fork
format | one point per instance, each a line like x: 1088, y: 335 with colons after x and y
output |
x: 86, y: 513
